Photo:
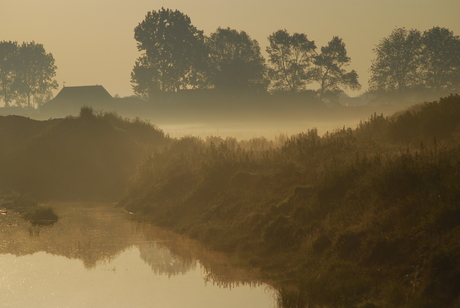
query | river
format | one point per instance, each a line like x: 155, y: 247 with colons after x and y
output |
x: 95, y: 256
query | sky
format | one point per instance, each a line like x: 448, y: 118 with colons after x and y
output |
x: 92, y: 41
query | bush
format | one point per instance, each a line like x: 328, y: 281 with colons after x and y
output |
x: 87, y: 112
x: 41, y: 216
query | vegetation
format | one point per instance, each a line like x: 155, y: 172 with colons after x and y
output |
x: 329, y: 71
x: 290, y: 56
x: 176, y: 56
x: 236, y: 63
x: 440, y: 59
x: 89, y: 157
x: 173, y: 50
x: 396, y: 63
x: 366, y: 216
x: 408, y: 61
x: 26, y: 73
x: 409, y: 65
x: 29, y: 209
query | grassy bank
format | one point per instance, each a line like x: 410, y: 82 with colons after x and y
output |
x: 89, y: 157
x: 30, y: 209
x: 357, y: 217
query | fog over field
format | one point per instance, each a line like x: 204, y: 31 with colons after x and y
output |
x: 286, y: 154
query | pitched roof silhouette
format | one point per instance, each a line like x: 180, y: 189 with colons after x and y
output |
x: 70, y: 100
x: 83, y: 94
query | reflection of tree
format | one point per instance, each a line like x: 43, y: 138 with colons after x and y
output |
x: 89, y: 232
x: 171, y: 254
x: 95, y: 233
x: 162, y: 261
x: 292, y: 297
x: 226, y: 276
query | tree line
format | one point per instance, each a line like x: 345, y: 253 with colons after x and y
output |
x: 408, y: 61
x: 175, y: 55
x: 27, y: 74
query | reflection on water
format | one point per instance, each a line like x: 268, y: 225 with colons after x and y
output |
x: 95, y: 257
x: 162, y: 261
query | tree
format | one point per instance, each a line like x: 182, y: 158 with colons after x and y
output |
x: 236, y: 62
x: 8, y: 50
x: 290, y: 57
x: 396, y: 67
x: 34, y: 70
x: 329, y: 70
x: 440, y: 59
x: 173, y: 50
x: 144, y: 78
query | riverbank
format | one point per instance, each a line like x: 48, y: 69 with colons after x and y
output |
x: 88, y: 157
x: 96, y: 255
x: 364, y: 217
x: 29, y: 209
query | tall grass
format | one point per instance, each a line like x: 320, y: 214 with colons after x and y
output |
x: 353, y: 215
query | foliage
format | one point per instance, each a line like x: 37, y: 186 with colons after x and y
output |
x: 366, y: 217
x: 235, y: 61
x: 172, y: 52
x: 295, y: 63
x: 407, y: 62
x: 396, y: 65
x: 27, y: 72
x: 329, y: 71
x: 440, y: 59
x: 144, y: 80
x: 30, y: 209
x: 8, y: 50
x: 87, y: 112
x: 290, y: 57
x: 41, y: 216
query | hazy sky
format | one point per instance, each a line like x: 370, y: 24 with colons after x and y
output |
x: 93, y: 42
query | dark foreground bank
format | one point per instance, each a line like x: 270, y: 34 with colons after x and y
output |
x: 88, y: 157
x: 366, y: 217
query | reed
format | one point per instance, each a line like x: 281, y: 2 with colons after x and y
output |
x: 360, y: 216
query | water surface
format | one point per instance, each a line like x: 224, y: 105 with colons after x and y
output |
x: 94, y: 256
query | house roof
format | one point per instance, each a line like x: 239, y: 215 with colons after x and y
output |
x: 82, y: 94
x: 70, y: 99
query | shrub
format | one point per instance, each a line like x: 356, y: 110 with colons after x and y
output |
x: 87, y: 112
x: 41, y: 216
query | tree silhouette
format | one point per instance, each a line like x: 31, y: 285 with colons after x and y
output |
x: 34, y: 71
x: 144, y: 78
x: 290, y: 56
x: 397, y: 62
x: 236, y: 62
x: 440, y: 59
x: 172, y: 49
x: 329, y: 70
x: 8, y: 51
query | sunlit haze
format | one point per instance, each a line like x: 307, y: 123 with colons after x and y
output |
x: 204, y: 172
x: 93, y: 41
